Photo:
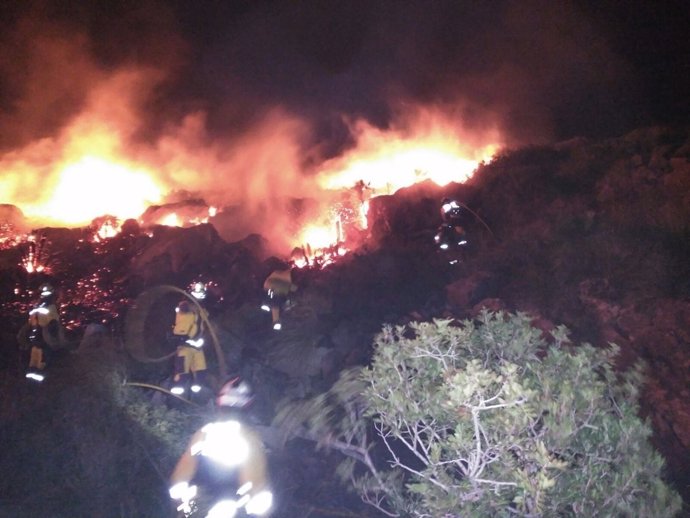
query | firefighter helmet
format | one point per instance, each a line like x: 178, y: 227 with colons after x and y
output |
x: 46, y: 291
x: 236, y: 393
x: 198, y: 290
x: 450, y: 209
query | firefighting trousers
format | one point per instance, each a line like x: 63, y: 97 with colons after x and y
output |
x: 275, y: 313
x: 189, y: 360
x: 37, y: 360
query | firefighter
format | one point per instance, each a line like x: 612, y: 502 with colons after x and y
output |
x: 449, y: 236
x: 278, y: 287
x: 188, y: 335
x: 450, y: 212
x: 41, y: 333
x: 224, y: 466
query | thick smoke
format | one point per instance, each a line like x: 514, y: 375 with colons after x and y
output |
x: 540, y: 70
x: 243, y: 101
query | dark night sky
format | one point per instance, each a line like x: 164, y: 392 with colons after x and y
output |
x: 542, y: 70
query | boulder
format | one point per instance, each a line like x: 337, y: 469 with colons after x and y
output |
x: 462, y: 294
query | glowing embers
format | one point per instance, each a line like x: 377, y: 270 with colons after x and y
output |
x: 187, y: 213
x: 10, y: 237
x: 380, y: 164
x: 325, y: 240
x: 105, y: 227
x: 35, y: 254
x: 324, y: 244
x: 93, y: 298
x: 185, y: 219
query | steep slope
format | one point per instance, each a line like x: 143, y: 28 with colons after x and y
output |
x: 594, y: 235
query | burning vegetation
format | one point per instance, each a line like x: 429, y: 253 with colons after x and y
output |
x: 114, y: 193
x: 578, y: 255
x: 95, y: 172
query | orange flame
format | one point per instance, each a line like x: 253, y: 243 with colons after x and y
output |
x: 93, y: 166
x: 9, y: 236
x: 171, y: 220
x: 363, y: 211
x: 106, y: 228
x: 95, y: 186
x: 34, y: 257
x: 318, y: 236
x: 429, y: 148
x: 82, y: 173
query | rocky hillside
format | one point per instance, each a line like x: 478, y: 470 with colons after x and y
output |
x: 593, y: 235
x: 597, y: 236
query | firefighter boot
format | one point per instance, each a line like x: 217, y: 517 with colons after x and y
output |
x: 275, y: 314
x: 181, y: 384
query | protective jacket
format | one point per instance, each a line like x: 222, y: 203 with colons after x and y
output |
x: 41, y: 328
x: 188, y: 322
x: 190, y: 360
x: 280, y: 282
x: 43, y: 314
x: 278, y: 286
x: 222, y: 458
x: 41, y: 334
x: 449, y: 236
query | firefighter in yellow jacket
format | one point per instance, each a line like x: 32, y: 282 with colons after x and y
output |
x: 278, y: 287
x: 188, y: 331
x: 224, y: 467
x: 41, y: 333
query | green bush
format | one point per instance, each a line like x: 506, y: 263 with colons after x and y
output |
x: 487, y: 419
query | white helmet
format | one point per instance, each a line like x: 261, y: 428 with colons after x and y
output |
x: 236, y: 393
x: 198, y: 290
x: 46, y: 291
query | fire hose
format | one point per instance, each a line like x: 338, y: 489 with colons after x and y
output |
x: 159, y: 389
x: 135, y: 326
x: 479, y: 219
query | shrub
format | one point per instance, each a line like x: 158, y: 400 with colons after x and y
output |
x: 487, y: 419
